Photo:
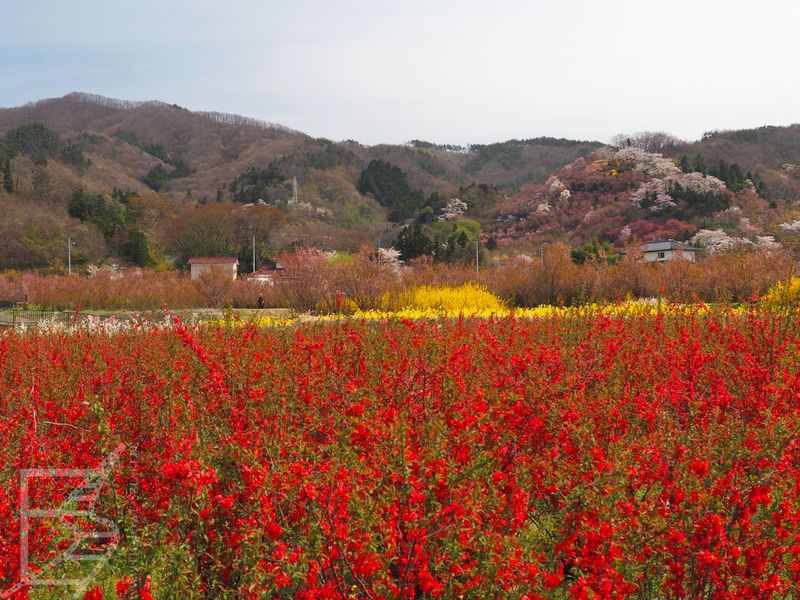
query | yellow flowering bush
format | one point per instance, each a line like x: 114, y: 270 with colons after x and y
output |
x: 783, y: 293
x: 257, y: 321
x: 633, y: 309
x: 469, y: 298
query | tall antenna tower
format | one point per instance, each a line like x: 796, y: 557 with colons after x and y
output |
x: 294, y: 191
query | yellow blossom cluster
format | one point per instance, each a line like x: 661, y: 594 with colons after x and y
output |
x: 469, y: 298
x: 782, y: 294
x: 427, y: 302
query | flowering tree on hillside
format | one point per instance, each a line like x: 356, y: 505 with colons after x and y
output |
x: 716, y: 240
x: 669, y: 184
x: 650, y: 141
x: 649, y: 163
x: 454, y: 209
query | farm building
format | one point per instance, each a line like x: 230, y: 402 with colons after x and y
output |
x: 267, y: 275
x: 199, y: 265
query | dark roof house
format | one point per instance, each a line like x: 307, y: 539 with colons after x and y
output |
x: 662, y: 251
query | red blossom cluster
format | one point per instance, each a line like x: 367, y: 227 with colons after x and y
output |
x: 584, y: 457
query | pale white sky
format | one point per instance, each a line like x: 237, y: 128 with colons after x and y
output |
x: 449, y: 71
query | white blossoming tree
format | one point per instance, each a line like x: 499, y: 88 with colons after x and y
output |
x: 649, y: 163
x: 391, y: 258
x: 454, y: 209
x: 791, y: 226
x: 669, y: 183
x: 557, y: 191
x: 716, y: 240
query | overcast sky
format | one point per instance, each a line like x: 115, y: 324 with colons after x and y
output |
x: 445, y: 71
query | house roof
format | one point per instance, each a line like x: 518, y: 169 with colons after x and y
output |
x: 667, y: 245
x: 213, y: 260
x: 269, y: 270
x: 266, y: 273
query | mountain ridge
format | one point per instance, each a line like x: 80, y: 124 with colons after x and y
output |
x: 227, y: 144
x: 181, y: 162
x: 120, y: 104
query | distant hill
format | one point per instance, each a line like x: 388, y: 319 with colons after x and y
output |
x: 217, y: 147
x: 145, y: 182
x: 116, y: 136
x: 773, y: 152
x: 141, y: 180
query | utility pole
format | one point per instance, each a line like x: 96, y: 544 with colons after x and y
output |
x: 254, y: 254
x: 69, y: 255
x: 477, y: 267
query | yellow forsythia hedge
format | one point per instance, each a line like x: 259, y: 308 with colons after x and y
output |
x: 467, y: 299
x: 783, y: 293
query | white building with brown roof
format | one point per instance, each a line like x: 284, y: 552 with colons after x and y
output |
x: 208, y: 264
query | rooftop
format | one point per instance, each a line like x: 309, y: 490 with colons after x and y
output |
x: 667, y: 245
x: 213, y: 260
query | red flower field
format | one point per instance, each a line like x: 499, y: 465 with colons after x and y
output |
x: 599, y: 457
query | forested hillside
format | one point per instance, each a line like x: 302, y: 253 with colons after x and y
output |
x: 150, y: 184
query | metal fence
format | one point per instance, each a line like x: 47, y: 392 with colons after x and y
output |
x: 23, y: 316
x: 19, y: 317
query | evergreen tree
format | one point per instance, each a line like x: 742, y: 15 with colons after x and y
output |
x: 108, y: 216
x: 256, y: 184
x: 722, y: 172
x: 134, y: 247
x: 8, y: 177
x: 699, y: 164
x: 388, y: 184
x: 736, y: 175
x: 157, y: 177
x: 412, y: 242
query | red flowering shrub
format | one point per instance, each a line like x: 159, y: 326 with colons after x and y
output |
x: 584, y: 457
